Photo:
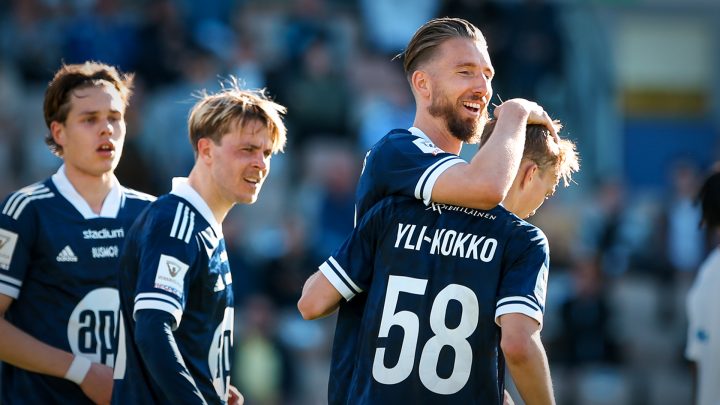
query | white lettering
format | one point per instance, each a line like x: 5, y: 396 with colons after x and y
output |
x: 401, y: 232
x: 460, y: 245
x: 102, y: 252
x: 407, y: 240
x: 437, y: 238
x: 473, y: 247
x: 420, y: 238
x: 104, y: 233
x: 490, y: 244
x: 448, y: 242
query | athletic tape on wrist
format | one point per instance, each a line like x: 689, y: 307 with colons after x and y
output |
x: 78, y: 369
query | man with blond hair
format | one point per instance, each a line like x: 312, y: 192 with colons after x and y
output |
x: 176, y: 298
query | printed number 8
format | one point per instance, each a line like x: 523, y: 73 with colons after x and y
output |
x: 455, y: 338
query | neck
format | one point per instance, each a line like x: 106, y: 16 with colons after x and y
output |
x: 93, y: 189
x: 438, y: 133
x: 199, y: 180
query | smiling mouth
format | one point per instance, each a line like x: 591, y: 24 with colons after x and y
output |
x: 472, y: 107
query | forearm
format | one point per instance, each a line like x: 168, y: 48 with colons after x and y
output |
x: 498, y: 160
x: 319, y: 298
x: 159, y: 351
x: 531, y: 374
x: 24, y: 351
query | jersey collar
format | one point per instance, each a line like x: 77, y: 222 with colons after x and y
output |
x: 420, y: 134
x: 110, y: 207
x: 183, y: 189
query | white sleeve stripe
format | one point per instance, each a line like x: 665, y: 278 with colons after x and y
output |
x: 423, y: 189
x: 183, y: 224
x: 10, y: 291
x: 29, y: 190
x: 161, y: 306
x: 418, y: 186
x: 10, y: 280
x: 344, y: 275
x: 178, y: 212
x: 190, y: 227
x: 525, y: 300
x: 427, y: 188
x: 20, y: 196
x: 518, y: 309
x: 25, y: 201
x: 158, y: 296
x: 335, y: 280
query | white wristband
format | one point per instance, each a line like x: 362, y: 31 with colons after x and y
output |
x: 78, y: 369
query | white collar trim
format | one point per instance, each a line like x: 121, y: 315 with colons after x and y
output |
x: 419, y: 133
x: 182, y: 188
x: 110, y: 206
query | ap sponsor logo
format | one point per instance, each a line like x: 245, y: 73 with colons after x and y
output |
x: 219, y: 354
x: 92, y: 326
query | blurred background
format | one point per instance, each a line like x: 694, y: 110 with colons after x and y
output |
x: 635, y: 82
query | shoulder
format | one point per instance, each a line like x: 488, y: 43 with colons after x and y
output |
x: 137, y: 195
x: 18, y: 201
x: 175, y: 218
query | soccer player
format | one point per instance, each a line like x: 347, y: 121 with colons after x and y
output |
x: 703, y: 339
x: 176, y: 299
x: 450, y: 74
x: 59, y: 246
x: 447, y: 288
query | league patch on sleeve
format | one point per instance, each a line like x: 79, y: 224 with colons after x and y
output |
x: 427, y: 146
x: 541, y: 285
x: 170, y: 275
x: 7, y: 247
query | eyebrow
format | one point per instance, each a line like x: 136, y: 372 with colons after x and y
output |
x: 95, y: 112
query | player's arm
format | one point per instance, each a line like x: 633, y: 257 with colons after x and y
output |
x: 484, y: 182
x: 26, y: 352
x: 156, y: 344
x: 526, y: 359
x: 319, y: 297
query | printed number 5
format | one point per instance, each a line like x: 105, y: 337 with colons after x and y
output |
x: 455, y: 338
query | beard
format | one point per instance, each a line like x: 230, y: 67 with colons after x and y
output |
x: 467, y: 130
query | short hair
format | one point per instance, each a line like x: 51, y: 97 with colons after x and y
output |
x: 214, y: 115
x: 541, y: 148
x: 69, y: 78
x: 424, y: 43
x: 709, y: 200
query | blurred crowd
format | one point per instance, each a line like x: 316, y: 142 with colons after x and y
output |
x: 622, y: 260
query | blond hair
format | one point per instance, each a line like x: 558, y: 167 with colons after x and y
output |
x: 541, y: 148
x: 214, y: 115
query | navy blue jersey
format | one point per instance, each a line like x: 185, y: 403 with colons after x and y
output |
x: 435, y: 279
x: 402, y: 163
x: 59, y: 262
x: 176, y: 264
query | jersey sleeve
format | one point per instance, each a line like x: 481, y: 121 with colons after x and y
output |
x: 166, y: 265
x: 18, y: 231
x: 406, y: 165
x: 524, y: 281
x: 350, y: 268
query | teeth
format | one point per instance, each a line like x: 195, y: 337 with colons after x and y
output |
x: 472, y: 105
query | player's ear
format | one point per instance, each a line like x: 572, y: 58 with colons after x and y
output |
x: 203, y: 149
x: 57, y: 131
x: 529, y: 173
x: 421, y: 83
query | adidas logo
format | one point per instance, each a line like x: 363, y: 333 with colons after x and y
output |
x: 66, y: 255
